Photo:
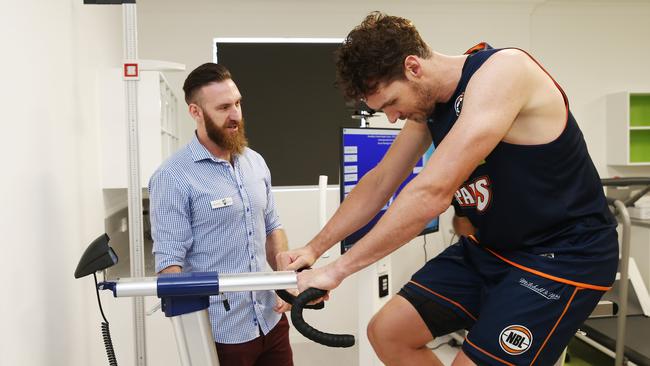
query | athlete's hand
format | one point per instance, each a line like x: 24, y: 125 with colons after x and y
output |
x: 323, y: 278
x: 293, y: 260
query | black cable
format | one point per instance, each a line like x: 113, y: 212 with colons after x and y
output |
x: 426, y: 256
x: 451, y: 343
x: 106, y: 333
x: 451, y: 241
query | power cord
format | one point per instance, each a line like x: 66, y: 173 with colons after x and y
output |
x: 106, y: 333
x: 424, y: 246
x: 453, y: 343
x: 426, y: 256
x: 451, y: 241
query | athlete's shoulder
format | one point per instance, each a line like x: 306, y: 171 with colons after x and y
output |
x: 507, y: 58
x: 504, y: 66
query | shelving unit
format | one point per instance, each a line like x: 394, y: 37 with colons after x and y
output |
x: 628, y: 128
x: 157, y: 125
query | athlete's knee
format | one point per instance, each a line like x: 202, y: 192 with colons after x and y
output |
x: 388, y: 330
x: 377, y: 330
x: 383, y: 333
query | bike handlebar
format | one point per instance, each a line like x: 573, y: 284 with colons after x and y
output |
x: 290, y: 299
x: 327, y: 339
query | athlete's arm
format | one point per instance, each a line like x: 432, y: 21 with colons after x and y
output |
x: 368, y: 197
x: 493, y: 99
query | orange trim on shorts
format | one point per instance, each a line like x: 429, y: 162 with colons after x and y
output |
x: 444, y: 298
x: 488, y: 353
x: 542, y: 274
x: 555, y: 326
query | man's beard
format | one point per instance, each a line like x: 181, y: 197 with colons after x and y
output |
x: 233, y: 143
x: 424, y: 103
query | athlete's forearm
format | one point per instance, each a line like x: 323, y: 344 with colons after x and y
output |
x: 362, y: 204
x: 406, y: 217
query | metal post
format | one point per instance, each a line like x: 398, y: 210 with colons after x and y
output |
x: 624, y: 217
x: 194, y: 339
x: 136, y: 237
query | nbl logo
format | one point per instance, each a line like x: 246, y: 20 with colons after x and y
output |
x: 515, y: 339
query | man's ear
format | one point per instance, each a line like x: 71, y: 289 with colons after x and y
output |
x: 412, y: 67
x: 195, y: 112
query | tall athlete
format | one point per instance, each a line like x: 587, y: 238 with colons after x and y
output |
x: 539, y: 245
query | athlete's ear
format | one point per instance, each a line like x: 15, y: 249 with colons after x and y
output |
x: 412, y: 67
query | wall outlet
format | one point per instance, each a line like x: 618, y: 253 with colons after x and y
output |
x: 383, y: 285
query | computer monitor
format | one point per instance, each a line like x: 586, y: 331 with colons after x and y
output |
x: 361, y: 150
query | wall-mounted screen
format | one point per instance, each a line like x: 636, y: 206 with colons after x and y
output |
x: 361, y: 150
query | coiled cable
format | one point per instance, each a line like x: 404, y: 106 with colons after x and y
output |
x: 106, y: 333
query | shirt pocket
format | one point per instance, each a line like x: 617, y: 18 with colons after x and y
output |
x: 257, y: 192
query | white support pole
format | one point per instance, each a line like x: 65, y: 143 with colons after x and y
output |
x: 136, y: 237
x: 194, y: 339
x: 322, y: 205
x: 322, y: 200
x: 624, y: 218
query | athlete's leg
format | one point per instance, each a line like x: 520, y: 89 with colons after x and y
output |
x: 441, y: 298
x: 399, y: 335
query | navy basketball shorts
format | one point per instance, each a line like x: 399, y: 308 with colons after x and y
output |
x: 515, y: 315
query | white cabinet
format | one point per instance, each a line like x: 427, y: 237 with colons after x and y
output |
x: 628, y: 128
x: 157, y: 124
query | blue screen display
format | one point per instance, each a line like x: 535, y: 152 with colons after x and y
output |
x: 361, y: 150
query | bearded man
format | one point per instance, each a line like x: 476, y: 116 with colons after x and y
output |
x: 212, y: 209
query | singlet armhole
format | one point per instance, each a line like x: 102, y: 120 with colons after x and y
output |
x: 557, y: 85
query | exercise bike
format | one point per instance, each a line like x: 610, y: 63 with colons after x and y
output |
x: 185, y: 300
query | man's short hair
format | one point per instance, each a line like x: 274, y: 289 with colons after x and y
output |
x: 202, y: 76
x: 374, y: 52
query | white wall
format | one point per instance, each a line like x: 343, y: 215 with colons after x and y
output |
x: 51, y: 196
x: 51, y: 202
x: 601, y: 51
x: 591, y: 47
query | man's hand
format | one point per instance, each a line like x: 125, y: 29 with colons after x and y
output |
x: 296, y: 259
x: 281, y: 306
x: 172, y: 269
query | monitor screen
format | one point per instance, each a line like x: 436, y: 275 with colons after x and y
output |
x: 362, y: 149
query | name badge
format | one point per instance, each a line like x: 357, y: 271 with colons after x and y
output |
x: 222, y: 202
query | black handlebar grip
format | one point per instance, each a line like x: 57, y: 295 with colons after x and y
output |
x: 327, y: 339
x: 289, y: 298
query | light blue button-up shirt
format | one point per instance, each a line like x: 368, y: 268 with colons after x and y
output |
x: 209, y: 215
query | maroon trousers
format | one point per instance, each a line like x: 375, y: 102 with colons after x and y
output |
x: 272, y: 349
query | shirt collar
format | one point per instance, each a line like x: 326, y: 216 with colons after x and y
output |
x: 199, y: 152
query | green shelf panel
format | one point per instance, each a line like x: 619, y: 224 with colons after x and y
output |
x: 640, y: 110
x: 640, y: 146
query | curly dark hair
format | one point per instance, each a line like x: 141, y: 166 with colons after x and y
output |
x: 374, y: 52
